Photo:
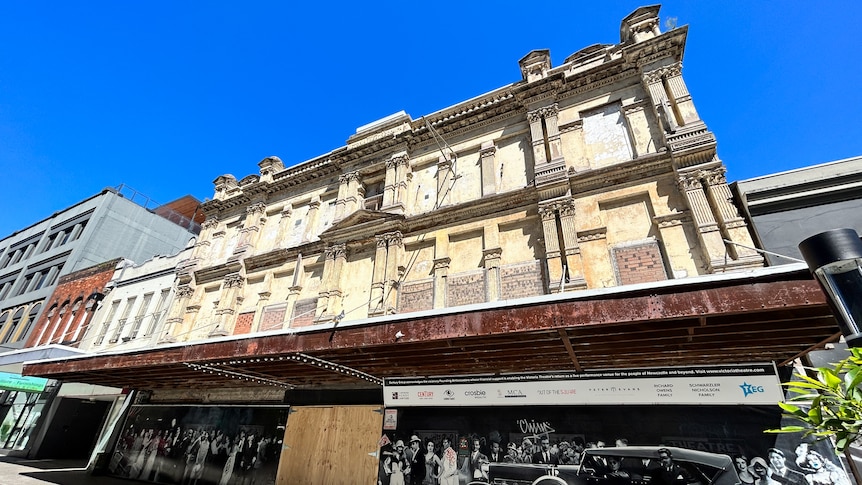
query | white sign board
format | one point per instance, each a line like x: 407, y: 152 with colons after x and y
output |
x: 731, y: 384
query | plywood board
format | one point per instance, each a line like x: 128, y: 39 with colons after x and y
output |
x: 330, y: 445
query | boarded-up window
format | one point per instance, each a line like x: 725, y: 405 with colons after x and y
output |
x: 273, y: 317
x: 303, y: 313
x: 639, y: 263
x: 466, y: 288
x: 416, y: 296
x: 521, y: 280
x: 243, y: 323
x: 606, y: 136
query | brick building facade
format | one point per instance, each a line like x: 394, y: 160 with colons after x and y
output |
x: 72, y: 305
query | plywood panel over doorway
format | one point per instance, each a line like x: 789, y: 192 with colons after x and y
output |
x: 332, y: 445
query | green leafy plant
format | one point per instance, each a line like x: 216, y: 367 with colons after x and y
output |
x: 833, y: 402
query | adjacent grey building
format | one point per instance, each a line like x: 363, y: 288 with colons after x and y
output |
x: 787, y: 207
x: 105, y: 226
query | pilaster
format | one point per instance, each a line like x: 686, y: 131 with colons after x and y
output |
x: 441, y: 271
x: 489, y: 172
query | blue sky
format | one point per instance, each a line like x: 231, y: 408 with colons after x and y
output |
x: 167, y: 96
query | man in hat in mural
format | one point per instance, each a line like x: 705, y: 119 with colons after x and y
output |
x: 669, y: 473
x: 416, y: 462
x: 778, y: 471
x: 496, y: 454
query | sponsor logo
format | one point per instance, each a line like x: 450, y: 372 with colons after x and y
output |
x: 748, y: 389
x: 513, y: 393
x: 557, y: 392
x: 425, y: 394
x: 448, y: 395
x: 400, y: 395
x: 479, y: 394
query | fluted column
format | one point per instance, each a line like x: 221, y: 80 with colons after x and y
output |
x: 329, y: 300
x: 537, y: 135
x: 552, y: 243
x: 707, y: 227
x: 229, y: 300
x: 678, y: 92
x: 573, y: 259
x: 389, y: 183
x: 394, y: 247
x: 348, y: 200
x: 662, y: 105
x: 254, y: 217
x: 174, y: 320
x: 731, y: 222
x: 491, y: 261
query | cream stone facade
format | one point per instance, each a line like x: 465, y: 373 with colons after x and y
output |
x: 595, y: 173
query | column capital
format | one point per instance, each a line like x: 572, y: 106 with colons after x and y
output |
x: 234, y: 280
x: 335, y: 251
x: 184, y: 291
x: 255, y: 208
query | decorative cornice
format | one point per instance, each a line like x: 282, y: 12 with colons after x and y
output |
x: 594, y: 234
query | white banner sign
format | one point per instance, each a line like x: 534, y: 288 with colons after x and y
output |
x: 734, y: 384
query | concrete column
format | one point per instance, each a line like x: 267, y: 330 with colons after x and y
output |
x: 335, y: 258
x: 537, y: 135
x: 552, y: 243
x: 394, y: 250
x: 375, y: 302
x: 654, y: 85
x: 489, y: 170
x: 573, y: 259
x: 402, y: 178
x: 732, y: 224
x: 679, y: 95
x: 254, y: 216
x: 283, y: 225
x: 202, y: 247
x: 291, y: 303
x: 174, y: 318
x: 354, y: 199
x: 441, y: 270
x: 444, y: 180
x: 707, y: 228
x: 229, y: 300
x: 552, y: 131
x: 311, y: 219
x: 389, y: 183
x: 340, y: 198
x: 491, y: 261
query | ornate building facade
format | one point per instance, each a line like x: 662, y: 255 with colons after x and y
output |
x: 592, y: 174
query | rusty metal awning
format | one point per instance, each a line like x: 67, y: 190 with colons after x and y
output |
x: 775, y: 314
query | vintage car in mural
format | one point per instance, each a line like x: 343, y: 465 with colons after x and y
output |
x: 636, y: 463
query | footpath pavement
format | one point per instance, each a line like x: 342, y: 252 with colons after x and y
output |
x: 23, y: 471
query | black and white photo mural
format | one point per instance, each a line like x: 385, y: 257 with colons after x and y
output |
x: 677, y: 426
x: 200, y: 445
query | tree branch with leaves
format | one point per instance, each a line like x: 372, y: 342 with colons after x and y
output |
x: 830, y: 404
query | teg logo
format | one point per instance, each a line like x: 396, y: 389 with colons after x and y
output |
x: 475, y: 393
x: 748, y: 389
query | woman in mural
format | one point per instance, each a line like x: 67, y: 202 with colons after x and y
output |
x: 449, y: 470
x: 150, y: 455
x: 822, y: 471
x: 759, y: 470
x: 137, y: 468
x: 227, y: 471
x: 135, y: 453
x: 745, y: 477
x: 432, y: 465
x: 397, y: 464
